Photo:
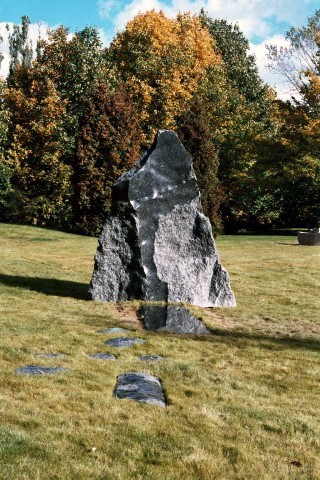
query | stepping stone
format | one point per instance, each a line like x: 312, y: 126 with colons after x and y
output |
x: 151, y: 358
x: 39, y: 370
x: 50, y: 355
x: 114, y: 330
x: 141, y: 387
x: 102, y: 356
x: 172, y: 319
x: 123, y: 342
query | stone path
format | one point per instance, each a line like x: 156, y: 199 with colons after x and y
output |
x: 138, y: 386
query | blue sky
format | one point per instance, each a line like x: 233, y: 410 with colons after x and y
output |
x: 71, y: 13
x: 262, y: 21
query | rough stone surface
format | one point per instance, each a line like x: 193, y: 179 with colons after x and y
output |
x: 140, y: 387
x: 309, y: 238
x: 172, y: 319
x: 102, y: 356
x: 123, y: 342
x: 39, y: 370
x: 156, y: 244
x: 151, y: 358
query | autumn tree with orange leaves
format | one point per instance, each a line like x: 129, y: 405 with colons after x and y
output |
x: 173, y: 71
x: 40, y: 179
x: 163, y: 62
x: 78, y: 115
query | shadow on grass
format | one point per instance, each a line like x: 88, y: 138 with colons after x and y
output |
x: 290, y: 244
x: 48, y: 286
x: 268, y: 341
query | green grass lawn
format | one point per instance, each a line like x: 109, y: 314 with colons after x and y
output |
x: 243, y: 403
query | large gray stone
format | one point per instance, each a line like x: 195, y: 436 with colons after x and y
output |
x: 156, y: 244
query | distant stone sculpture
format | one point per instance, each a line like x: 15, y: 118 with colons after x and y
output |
x: 156, y: 244
x: 310, y: 238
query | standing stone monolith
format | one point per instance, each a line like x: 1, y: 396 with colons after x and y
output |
x: 156, y: 244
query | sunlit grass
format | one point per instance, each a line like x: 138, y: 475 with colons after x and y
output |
x: 242, y: 404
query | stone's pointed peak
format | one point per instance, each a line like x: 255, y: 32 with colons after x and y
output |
x: 156, y: 244
x: 165, y: 148
x: 167, y: 134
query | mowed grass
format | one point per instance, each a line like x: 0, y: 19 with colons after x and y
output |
x: 243, y: 403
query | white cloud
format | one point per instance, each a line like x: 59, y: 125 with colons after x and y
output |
x: 255, y: 17
x: 284, y: 89
x: 105, y: 7
x: 259, y: 20
x: 135, y: 7
x: 104, y: 37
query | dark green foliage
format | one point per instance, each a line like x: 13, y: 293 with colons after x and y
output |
x: 5, y: 175
x: 109, y: 144
x: 297, y: 147
x: 5, y: 187
x: 247, y: 122
x: 241, y: 68
x: 196, y: 134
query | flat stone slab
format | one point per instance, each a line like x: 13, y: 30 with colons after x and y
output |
x: 151, y: 358
x: 123, y: 342
x: 172, y: 319
x: 141, y: 387
x: 102, y: 356
x: 39, y: 370
x: 114, y: 330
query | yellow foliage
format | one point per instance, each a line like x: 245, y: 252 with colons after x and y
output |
x: 37, y: 114
x: 163, y: 61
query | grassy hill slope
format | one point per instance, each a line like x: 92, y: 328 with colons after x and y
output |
x: 243, y: 403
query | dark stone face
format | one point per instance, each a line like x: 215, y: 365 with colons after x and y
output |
x: 172, y: 319
x: 140, y: 387
x: 39, y: 370
x: 156, y: 244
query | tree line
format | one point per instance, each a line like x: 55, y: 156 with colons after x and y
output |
x: 74, y: 116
